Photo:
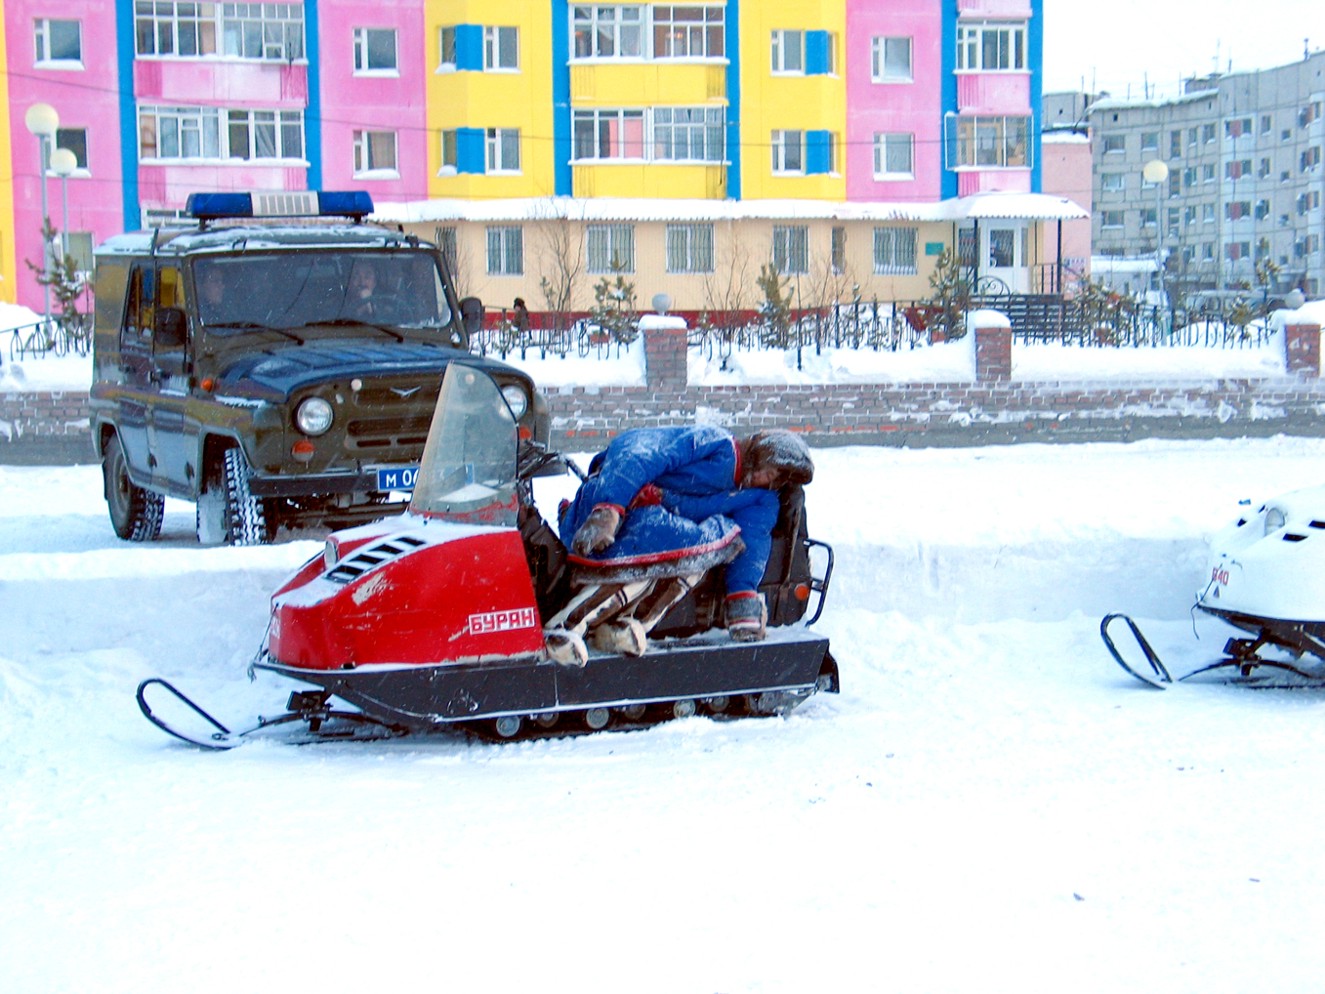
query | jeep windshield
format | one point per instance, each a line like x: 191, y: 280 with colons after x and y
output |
x: 301, y: 295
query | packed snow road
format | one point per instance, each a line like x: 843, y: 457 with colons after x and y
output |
x: 989, y: 805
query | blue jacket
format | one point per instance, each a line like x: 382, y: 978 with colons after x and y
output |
x: 682, y: 507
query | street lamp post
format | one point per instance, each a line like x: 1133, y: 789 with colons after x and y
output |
x: 1156, y: 171
x: 43, y: 121
x: 63, y: 164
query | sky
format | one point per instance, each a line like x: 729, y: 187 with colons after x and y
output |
x: 1112, y: 45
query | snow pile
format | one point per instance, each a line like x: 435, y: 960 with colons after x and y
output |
x: 990, y: 804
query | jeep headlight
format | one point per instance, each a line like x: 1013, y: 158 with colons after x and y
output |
x: 516, y: 399
x: 314, y: 416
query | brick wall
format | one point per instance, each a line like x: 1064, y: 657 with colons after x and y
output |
x: 52, y: 427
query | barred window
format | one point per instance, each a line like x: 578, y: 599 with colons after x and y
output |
x: 688, y: 133
x: 611, y: 248
x: 505, y: 250
x: 791, y: 248
x: 690, y: 248
x: 895, y: 251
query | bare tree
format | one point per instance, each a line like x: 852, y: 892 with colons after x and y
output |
x: 558, y: 254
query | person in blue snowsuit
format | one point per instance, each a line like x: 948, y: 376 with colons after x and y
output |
x: 661, y: 506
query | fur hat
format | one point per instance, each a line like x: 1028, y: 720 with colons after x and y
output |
x: 783, y: 452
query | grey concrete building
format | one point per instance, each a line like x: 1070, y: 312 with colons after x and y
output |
x: 1219, y: 181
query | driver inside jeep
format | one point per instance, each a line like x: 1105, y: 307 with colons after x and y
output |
x: 661, y: 507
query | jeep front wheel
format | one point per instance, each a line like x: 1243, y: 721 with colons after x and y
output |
x: 135, y: 513
x: 228, y: 513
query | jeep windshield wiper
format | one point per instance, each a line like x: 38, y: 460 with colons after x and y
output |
x: 354, y: 323
x: 224, y: 326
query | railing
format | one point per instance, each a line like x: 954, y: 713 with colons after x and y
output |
x: 56, y: 337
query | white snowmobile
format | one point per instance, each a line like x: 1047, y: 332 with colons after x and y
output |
x: 1267, y: 577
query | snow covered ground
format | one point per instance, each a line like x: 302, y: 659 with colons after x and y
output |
x: 989, y: 805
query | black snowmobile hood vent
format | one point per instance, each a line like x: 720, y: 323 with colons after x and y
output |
x: 1291, y: 537
x: 356, y: 565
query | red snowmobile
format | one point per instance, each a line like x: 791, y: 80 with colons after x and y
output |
x: 436, y: 618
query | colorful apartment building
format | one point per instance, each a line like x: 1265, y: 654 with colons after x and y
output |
x: 851, y: 136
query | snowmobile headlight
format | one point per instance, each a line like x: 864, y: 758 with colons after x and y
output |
x: 1274, y: 520
x: 314, y: 416
x: 516, y: 399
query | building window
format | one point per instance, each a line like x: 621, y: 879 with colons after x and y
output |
x: 1235, y: 128
x: 991, y: 46
x: 692, y: 134
x: 271, y: 31
x: 690, y: 248
x: 894, y: 251
x: 1175, y: 144
x: 1114, y: 143
x: 788, y: 151
x: 608, y: 134
x: 1113, y: 182
x: 838, y: 250
x: 791, y: 248
x: 789, y: 51
x: 501, y: 49
x: 447, y: 240
x: 687, y: 32
x: 374, y: 151
x: 505, y: 250
x: 59, y: 42
x: 611, y: 248
x: 1208, y: 173
x: 179, y: 133
x: 375, y: 50
x: 894, y: 156
x: 75, y: 140
x: 450, y: 151
x: 1111, y: 219
x: 167, y: 27
x: 607, y: 32
x: 264, y: 134
x: 890, y: 60
x: 1235, y: 169
x: 1150, y: 141
x: 447, y: 47
x: 990, y: 142
x: 503, y: 150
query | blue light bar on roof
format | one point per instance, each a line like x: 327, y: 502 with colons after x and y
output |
x: 355, y: 204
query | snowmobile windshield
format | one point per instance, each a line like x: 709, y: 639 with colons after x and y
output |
x: 468, y: 472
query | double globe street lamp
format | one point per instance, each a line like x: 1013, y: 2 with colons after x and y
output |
x: 43, y: 121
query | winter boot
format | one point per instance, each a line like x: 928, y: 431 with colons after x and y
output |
x: 746, y: 616
x: 654, y: 605
x: 625, y: 636
x: 591, y: 606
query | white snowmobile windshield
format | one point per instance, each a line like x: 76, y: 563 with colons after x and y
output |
x: 469, y: 466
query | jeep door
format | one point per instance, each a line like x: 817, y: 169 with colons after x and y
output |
x: 172, y: 434
x: 135, y: 399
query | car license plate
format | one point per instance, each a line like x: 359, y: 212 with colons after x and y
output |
x: 397, y: 477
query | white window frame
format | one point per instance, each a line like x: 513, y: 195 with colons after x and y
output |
x: 181, y: 126
x: 602, y: 31
x: 887, y: 146
x: 599, y: 117
x: 895, y: 251
x: 690, y: 248
x: 75, y: 140
x: 42, y: 42
x: 446, y: 39
x: 609, y: 248
x: 501, y: 43
x: 501, y: 150
x: 992, y: 46
x: 1113, y: 182
x: 883, y: 59
x: 505, y: 249
x: 366, y: 46
x: 692, y: 32
x: 788, y: 152
x: 266, y: 32
x: 991, y: 142
x: 672, y: 130
x: 787, y: 51
x: 449, y: 152
x: 791, y: 249
x: 170, y: 32
x: 1112, y: 219
x: 368, y: 146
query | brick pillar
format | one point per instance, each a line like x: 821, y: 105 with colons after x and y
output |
x: 664, y: 353
x: 1302, y: 345
x: 993, y: 353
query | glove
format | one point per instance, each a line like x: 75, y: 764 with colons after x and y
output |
x: 598, y: 531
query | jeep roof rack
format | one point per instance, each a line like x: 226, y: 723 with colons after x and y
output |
x: 204, y: 207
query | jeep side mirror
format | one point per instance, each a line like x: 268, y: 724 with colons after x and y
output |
x: 471, y: 315
x: 170, y: 330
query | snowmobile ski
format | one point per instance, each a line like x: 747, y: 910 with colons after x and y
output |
x: 1240, y: 655
x: 323, y: 723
